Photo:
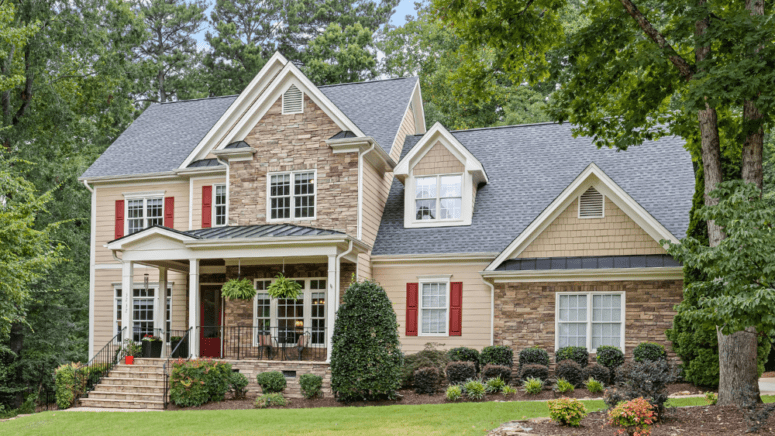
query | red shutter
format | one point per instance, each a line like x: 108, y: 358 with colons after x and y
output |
x: 119, y: 219
x: 169, y: 212
x: 412, y: 291
x: 456, y: 308
x: 207, y: 206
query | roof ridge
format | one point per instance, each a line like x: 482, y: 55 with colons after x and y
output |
x: 200, y: 99
x: 367, y: 81
x: 510, y: 126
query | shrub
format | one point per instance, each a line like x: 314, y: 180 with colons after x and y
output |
x: 64, y: 385
x: 497, y: 355
x: 647, y: 380
x: 594, y: 386
x: 28, y: 406
x: 579, y: 355
x: 597, y: 372
x: 610, y: 357
x: 365, y: 359
x: 271, y: 381
x: 197, y: 382
x: 475, y: 390
x: 311, y: 385
x: 570, y: 371
x: 533, y: 356
x: 711, y: 398
x: 494, y: 385
x: 429, y: 357
x: 634, y: 416
x: 460, y: 372
x: 508, y: 390
x: 427, y: 380
x: 564, y: 386
x: 270, y: 400
x: 533, y: 386
x: 454, y: 393
x: 649, y: 351
x: 238, y: 384
x: 497, y: 371
x: 464, y: 354
x: 540, y: 372
x: 567, y: 411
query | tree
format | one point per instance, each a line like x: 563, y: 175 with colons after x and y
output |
x: 338, y: 56
x: 701, y: 71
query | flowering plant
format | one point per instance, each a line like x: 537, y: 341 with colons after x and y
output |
x: 567, y: 411
x: 151, y: 338
x: 635, y: 416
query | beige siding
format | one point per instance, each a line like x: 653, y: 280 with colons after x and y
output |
x: 476, y: 302
x: 615, y: 235
x: 407, y: 128
x: 438, y: 160
x: 375, y: 194
x: 364, y: 267
x: 196, y: 206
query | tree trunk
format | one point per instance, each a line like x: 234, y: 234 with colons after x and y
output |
x: 711, y: 165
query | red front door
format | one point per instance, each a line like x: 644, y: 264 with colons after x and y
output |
x: 210, y: 332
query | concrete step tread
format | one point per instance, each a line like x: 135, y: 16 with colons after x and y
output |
x: 150, y: 388
x: 114, y: 403
x: 125, y: 394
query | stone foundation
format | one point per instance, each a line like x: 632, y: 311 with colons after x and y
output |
x: 293, y: 390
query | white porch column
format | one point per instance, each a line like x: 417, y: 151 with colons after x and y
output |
x: 127, y: 274
x: 160, y: 306
x: 193, y: 307
x: 331, y: 304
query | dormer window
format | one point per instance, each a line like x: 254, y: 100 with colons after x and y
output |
x: 439, y: 197
x: 293, y: 101
x: 591, y: 204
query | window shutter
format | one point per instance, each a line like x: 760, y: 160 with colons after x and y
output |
x: 591, y: 204
x: 119, y: 219
x: 456, y: 309
x: 293, y: 101
x: 169, y: 212
x: 207, y: 206
x: 412, y: 291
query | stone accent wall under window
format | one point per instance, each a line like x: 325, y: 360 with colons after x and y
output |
x: 292, y: 390
x: 525, y: 312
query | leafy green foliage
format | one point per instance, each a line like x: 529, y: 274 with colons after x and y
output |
x: 494, y: 385
x: 563, y: 386
x: 647, y: 379
x: 508, y: 390
x: 238, y: 384
x: 454, y: 393
x: 460, y: 372
x: 570, y: 371
x: 533, y: 356
x: 594, y: 386
x: 196, y: 382
x: 274, y: 399
x: 540, y: 372
x: 610, y: 357
x: 464, y: 354
x: 579, y: 355
x: 474, y: 390
x: 366, y: 359
x: 271, y: 381
x: 427, y: 380
x: 311, y: 385
x: 532, y: 385
x: 497, y: 355
x: 711, y: 398
x: 236, y: 289
x: 649, y: 351
x: 497, y: 371
x: 64, y: 385
x: 597, y: 372
x: 283, y: 287
x: 341, y: 56
x: 428, y: 357
x: 634, y: 416
x: 567, y: 411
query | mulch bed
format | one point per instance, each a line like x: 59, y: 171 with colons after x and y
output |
x: 695, y: 421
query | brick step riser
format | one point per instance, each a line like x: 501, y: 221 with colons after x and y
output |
x: 144, y: 382
x: 86, y: 402
x: 130, y: 374
x: 139, y: 368
x: 149, y: 362
x: 130, y: 389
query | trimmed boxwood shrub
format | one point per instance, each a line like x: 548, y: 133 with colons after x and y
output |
x: 597, y: 372
x: 238, y: 384
x: 570, y: 371
x: 533, y: 356
x: 649, y: 351
x: 271, y: 381
x: 196, y: 382
x: 366, y: 355
x: 464, y: 354
x: 579, y: 355
x: 460, y: 372
x: 430, y: 356
x: 427, y: 380
x: 609, y: 356
x: 497, y: 371
x: 540, y: 372
x: 497, y: 355
x: 311, y: 385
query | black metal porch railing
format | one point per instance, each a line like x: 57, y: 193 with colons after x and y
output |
x: 179, y: 350
x: 89, y: 375
x: 263, y: 343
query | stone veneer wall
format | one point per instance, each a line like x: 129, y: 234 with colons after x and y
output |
x: 252, y: 368
x: 525, y: 312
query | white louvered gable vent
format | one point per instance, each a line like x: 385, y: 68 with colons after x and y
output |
x: 293, y: 101
x: 591, y: 204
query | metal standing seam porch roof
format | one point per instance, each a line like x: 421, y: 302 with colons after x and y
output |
x: 247, y: 232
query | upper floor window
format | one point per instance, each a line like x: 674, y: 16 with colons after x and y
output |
x: 292, y: 195
x: 439, y: 197
x: 293, y: 101
x: 143, y: 213
x: 219, y: 211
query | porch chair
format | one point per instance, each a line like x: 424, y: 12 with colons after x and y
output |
x: 302, y: 343
x: 265, y: 342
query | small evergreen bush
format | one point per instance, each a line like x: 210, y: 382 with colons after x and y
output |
x: 494, y: 385
x: 474, y: 389
x: 564, y: 386
x: 196, y: 382
x: 594, y: 386
x: 497, y: 371
x: 271, y: 381
x: 429, y: 356
x: 366, y: 356
x: 570, y: 371
x: 579, y: 355
x: 311, y: 385
x: 597, y: 372
x: 238, y: 384
x: 460, y: 372
x: 464, y: 354
x: 497, y: 355
x: 647, y: 380
x: 427, y: 380
x: 649, y: 351
x: 454, y: 393
x: 567, y: 411
x: 609, y: 356
x: 540, y: 372
x: 533, y: 356
x: 533, y: 386
x: 274, y: 399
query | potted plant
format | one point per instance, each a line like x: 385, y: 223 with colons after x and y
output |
x: 284, y: 288
x: 152, y: 346
x: 236, y: 289
x: 179, y: 350
x: 131, y: 350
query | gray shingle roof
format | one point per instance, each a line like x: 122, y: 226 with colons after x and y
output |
x: 528, y: 167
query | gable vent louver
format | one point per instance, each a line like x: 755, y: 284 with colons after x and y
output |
x: 293, y: 101
x: 591, y: 204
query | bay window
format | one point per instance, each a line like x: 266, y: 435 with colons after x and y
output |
x: 590, y: 320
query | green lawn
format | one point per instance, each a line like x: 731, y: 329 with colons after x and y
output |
x: 437, y: 419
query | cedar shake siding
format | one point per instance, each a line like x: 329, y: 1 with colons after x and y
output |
x: 438, y: 160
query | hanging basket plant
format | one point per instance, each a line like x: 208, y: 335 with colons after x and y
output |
x: 236, y: 289
x: 284, y: 288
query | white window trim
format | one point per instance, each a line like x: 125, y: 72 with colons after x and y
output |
x: 589, y: 317
x: 145, y: 196
x: 307, y: 307
x: 410, y: 203
x: 440, y: 279
x: 226, y: 215
x: 293, y: 196
x: 155, y: 288
x: 578, y: 206
x: 302, y: 101
x: 439, y: 198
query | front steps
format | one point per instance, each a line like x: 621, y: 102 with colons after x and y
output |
x: 138, y: 386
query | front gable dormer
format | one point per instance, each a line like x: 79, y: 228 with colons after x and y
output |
x: 440, y: 178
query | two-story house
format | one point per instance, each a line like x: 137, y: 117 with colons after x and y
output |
x: 518, y: 235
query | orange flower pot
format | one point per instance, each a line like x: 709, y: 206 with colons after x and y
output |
x: 129, y: 360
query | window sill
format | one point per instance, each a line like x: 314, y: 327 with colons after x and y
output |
x: 437, y: 223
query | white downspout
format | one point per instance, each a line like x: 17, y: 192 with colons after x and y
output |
x: 337, y: 290
x: 492, y: 310
x: 361, y: 155
x: 92, y: 244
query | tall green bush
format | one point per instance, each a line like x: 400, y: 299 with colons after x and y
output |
x: 64, y: 384
x: 365, y: 359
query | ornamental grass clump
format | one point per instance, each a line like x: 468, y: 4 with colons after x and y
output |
x: 494, y: 385
x: 594, y: 386
x: 509, y: 390
x: 474, y: 390
x: 533, y: 386
x: 633, y: 417
x: 563, y: 386
x: 454, y: 393
x: 567, y: 411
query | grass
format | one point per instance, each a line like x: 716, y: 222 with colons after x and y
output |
x: 435, y: 419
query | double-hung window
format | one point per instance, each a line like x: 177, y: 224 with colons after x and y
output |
x: 439, y: 197
x: 219, y: 211
x: 143, y: 213
x: 590, y: 320
x: 434, y: 308
x: 292, y: 195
